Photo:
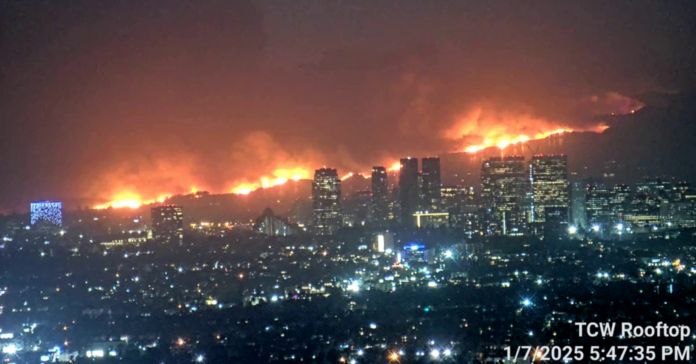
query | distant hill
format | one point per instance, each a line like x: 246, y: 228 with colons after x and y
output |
x: 658, y: 140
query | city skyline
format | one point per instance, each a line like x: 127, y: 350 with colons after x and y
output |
x: 91, y: 117
x: 347, y: 181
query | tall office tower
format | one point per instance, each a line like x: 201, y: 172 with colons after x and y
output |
x: 460, y: 203
x: 356, y: 208
x: 409, y: 194
x: 577, y: 204
x: 619, y: 202
x: 326, y: 201
x: 431, y: 184
x: 380, y: 196
x: 47, y: 211
x: 504, y: 187
x: 597, y: 205
x: 168, y: 223
x: 549, y: 179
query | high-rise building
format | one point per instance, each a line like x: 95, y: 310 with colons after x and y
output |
x: 409, y: 194
x: 326, y: 201
x: 620, y: 202
x: 431, y: 184
x: 504, y: 186
x: 460, y: 203
x: 597, y: 204
x: 577, y: 203
x: 167, y: 223
x: 380, y: 192
x: 47, y: 211
x: 457, y: 196
x: 356, y: 209
x: 550, y: 187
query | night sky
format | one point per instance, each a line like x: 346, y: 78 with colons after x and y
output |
x: 97, y: 97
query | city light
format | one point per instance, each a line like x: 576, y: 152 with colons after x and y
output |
x: 448, y: 254
x: 199, y: 358
x: 10, y: 349
x: 435, y: 353
x: 572, y: 230
x: 596, y: 227
x: 527, y: 302
x: 619, y: 227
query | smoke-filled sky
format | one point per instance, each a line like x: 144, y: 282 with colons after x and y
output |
x: 98, y: 98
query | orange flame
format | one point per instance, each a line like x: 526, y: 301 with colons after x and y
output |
x: 486, y: 126
x: 280, y: 176
x: 395, y: 167
x: 503, y: 141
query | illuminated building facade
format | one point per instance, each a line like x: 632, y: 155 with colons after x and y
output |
x: 167, y: 223
x: 384, y: 241
x: 619, y: 202
x: 47, y: 211
x: 380, y: 196
x: 270, y: 224
x: 431, y: 184
x: 550, y: 188
x: 597, y: 204
x: 460, y: 203
x: 326, y: 201
x: 504, y: 187
x: 457, y: 196
x: 431, y: 219
x: 409, y: 194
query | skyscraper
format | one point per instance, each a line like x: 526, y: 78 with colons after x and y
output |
x: 409, y: 194
x: 380, y: 202
x: 431, y: 184
x: 167, y: 223
x: 597, y: 204
x: 550, y: 187
x: 326, y: 201
x: 577, y: 197
x: 47, y: 211
x: 504, y: 186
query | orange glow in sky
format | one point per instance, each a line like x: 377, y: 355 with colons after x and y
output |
x: 498, y: 136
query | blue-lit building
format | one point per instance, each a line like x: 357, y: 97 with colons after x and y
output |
x: 417, y: 253
x: 48, y: 211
